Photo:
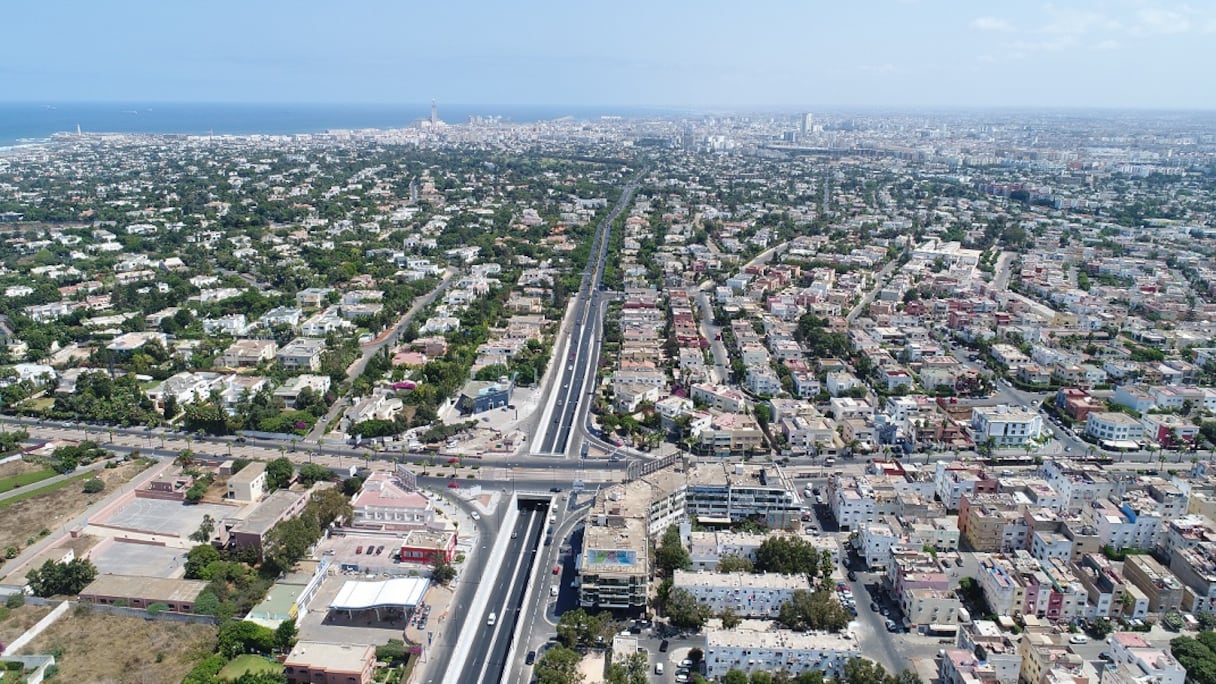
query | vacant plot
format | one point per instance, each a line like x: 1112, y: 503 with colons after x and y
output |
x: 22, y: 520
x: 249, y: 663
x: 104, y: 648
x: 25, y: 478
x: 18, y: 467
x: 20, y: 619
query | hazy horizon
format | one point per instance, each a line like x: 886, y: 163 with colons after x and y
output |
x: 889, y: 54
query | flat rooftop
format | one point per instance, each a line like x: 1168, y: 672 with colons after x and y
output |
x: 330, y: 657
x: 739, y: 580
x: 147, y: 588
x: 780, y: 639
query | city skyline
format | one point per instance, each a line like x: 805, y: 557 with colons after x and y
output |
x: 900, y: 53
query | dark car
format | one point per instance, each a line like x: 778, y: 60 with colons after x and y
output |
x: 874, y: 607
x: 663, y: 646
x: 555, y: 490
x: 530, y: 658
x: 852, y: 576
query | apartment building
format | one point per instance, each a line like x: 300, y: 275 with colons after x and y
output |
x: 794, y: 652
x: 1135, y: 661
x: 731, y: 492
x: 1005, y: 426
x: 930, y: 608
x: 729, y: 434
x: 750, y: 596
x: 992, y: 522
x: 1159, y: 585
x: 1196, y: 569
x: 1114, y: 429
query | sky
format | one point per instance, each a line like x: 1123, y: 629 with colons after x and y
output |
x: 675, y: 53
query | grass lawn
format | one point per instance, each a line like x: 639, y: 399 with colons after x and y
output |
x: 25, y: 479
x: 38, y: 491
x: 249, y: 663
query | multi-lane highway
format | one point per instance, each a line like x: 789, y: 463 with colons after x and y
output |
x: 560, y: 419
x: 488, y: 646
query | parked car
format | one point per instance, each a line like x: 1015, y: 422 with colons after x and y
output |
x: 453, y: 484
x: 663, y: 645
x: 530, y: 658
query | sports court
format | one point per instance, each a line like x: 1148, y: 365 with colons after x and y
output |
x: 144, y: 560
x: 158, y: 516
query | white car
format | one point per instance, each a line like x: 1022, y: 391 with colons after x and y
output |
x: 1078, y: 639
x: 553, y: 591
x: 476, y: 515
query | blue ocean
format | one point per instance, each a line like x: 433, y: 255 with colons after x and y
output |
x: 33, y: 122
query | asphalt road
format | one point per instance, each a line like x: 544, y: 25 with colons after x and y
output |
x: 580, y: 363
x: 711, y: 332
x: 582, y: 354
x: 492, y: 643
x: 164, y: 442
x: 370, y: 350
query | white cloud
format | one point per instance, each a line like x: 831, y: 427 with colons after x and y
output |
x: 1070, y: 21
x: 992, y: 24
x: 1108, y: 44
x: 1162, y: 21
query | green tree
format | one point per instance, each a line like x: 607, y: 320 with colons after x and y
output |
x: 205, y: 530
x: 579, y: 629
x: 54, y: 578
x: 442, y: 571
x: 788, y: 555
x: 671, y: 554
x: 734, y: 563
x: 559, y: 665
x: 285, y: 635
x: 93, y: 485
x: 734, y: 676
x: 818, y: 610
x: 684, y: 611
x: 197, y: 560
x: 730, y: 619
x: 311, y: 473
x: 279, y: 473
x: 239, y: 636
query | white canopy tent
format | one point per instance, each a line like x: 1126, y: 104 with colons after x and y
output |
x: 404, y: 593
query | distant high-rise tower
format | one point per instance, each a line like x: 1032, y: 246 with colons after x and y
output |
x: 434, y: 113
x: 807, y: 124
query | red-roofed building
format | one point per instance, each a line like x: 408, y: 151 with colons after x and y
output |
x: 385, y: 503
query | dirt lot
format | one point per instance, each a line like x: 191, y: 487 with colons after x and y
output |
x: 120, y: 650
x: 17, y: 468
x: 19, y: 620
x: 27, y: 518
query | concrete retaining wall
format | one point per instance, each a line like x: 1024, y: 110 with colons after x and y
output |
x: 477, y: 608
x: 32, y: 633
x: 37, y: 663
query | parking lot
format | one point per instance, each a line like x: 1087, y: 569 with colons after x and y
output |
x: 157, y: 516
x: 357, y: 552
